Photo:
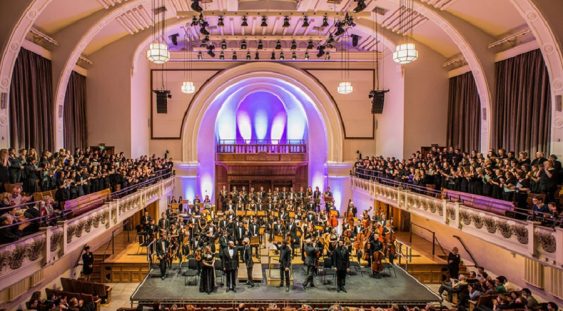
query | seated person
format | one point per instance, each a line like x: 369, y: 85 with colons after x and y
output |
x: 454, y: 286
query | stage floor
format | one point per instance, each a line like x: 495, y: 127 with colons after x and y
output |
x: 362, y: 289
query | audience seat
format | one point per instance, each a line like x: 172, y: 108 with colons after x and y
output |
x: 87, y: 287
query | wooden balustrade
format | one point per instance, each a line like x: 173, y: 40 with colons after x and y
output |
x: 254, y: 147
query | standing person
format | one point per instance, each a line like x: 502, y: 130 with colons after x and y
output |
x: 230, y: 257
x: 87, y: 263
x: 453, y: 263
x: 207, y: 277
x: 311, y: 263
x: 285, y: 263
x: 341, y: 260
x: 247, y: 258
x: 162, y: 253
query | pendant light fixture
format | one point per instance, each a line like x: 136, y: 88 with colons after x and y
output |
x: 345, y: 87
x: 158, y: 52
x: 188, y: 86
x: 406, y: 52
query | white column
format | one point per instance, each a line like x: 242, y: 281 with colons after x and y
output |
x: 338, y: 179
x: 186, y: 180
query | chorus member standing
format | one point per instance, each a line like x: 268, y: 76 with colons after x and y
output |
x: 230, y: 257
x: 453, y: 263
x: 341, y: 260
x: 285, y: 263
x: 87, y: 263
x: 247, y: 258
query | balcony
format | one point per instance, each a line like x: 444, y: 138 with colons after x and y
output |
x: 30, y: 254
x: 527, y: 238
x: 261, y: 151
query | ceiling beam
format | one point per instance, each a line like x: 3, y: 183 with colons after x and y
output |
x: 265, y: 38
x: 333, y: 14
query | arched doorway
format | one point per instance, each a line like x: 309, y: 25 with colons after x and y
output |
x: 299, y: 92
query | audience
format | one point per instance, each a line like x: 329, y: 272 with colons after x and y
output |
x: 498, y: 174
x: 67, y: 176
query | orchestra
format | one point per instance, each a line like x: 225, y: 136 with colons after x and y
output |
x: 291, y: 221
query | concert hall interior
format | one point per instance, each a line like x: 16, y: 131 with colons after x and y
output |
x: 281, y: 155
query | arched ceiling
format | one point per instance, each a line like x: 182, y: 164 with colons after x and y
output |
x: 494, y: 18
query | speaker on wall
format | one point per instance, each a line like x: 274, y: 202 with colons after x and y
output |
x: 377, y: 98
x: 162, y: 97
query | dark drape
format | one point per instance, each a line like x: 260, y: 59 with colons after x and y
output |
x: 31, y: 103
x: 522, y: 107
x: 464, y: 106
x: 75, y: 130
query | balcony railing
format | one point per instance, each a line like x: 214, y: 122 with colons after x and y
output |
x: 261, y: 146
x: 31, y: 253
x: 525, y: 237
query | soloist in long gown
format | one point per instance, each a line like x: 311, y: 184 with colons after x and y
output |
x: 207, y: 278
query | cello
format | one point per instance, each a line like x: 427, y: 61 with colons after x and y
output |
x: 333, y: 218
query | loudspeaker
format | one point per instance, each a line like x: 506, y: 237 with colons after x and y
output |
x: 377, y: 100
x: 162, y: 100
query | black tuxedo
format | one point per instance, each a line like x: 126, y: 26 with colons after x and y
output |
x: 310, y: 252
x: 230, y: 263
x: 247, y: 258
x: 161, y: 252
x: 341, y: 260
x: 285, y: 264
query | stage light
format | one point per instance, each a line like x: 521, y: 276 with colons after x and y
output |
x: 330, y: 40
x: 321, y: 51
x: 306, y: 56
x: 278, y: 45
x: 194, y: 21
x: 204, y: 31
x: 273, y: 56
x: 325, y: 21
x: 205, y: 39
x: 196, y: 6
x: 174, y: 38
x: 293, y: 56
x: 355, y: 40
x: 286, y: 22
x: 234, y: 55
x: 244, y: 22
x: 264, y: 22
x: 360, y: 6
x: 310, y: 45
x: 305, y: 21
x: 327, y: 57
x: 199, y: 55
x: 339, y: 29
x: 349, y: 20
x: 282, y: 57
x: 293, y: 44
x: 222, y: 55
x: 210, y: 51
x: 260, y: 45
x: 243, y: 45
x: 223, y: 45
x: 221, y: 22
x: 257, y: 56
x: 248, y: 57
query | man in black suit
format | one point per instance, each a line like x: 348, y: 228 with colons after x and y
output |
x: 453, y: 263
x: 162, y: 253
x: 285, y: 263
x: 311, y: 262
x: 247, y: 258
x: 341, y: 260
x: 230, y: 257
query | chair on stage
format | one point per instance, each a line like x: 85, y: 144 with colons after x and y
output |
x: 355, y: 268
x: 327, y: 270
x: 192, y: 272
x: 219, y: 273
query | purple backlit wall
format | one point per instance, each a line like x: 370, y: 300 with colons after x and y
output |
x: 261, y: 116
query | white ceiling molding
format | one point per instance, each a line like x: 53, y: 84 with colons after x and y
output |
x: 135, y: 20
x: 438, y: 4
x: 110, y: 3
x: 393, y: 21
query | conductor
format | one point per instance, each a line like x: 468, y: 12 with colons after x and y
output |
x: 341, y: 260
x: 285, y: 263
x: 230, y: 257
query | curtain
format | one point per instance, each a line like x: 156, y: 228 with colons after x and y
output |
x: 75, y: 129
x: 31, y: 103
x: 522, y: 107
x: 464, y: 118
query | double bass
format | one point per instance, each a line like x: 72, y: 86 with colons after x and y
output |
x: 333, y: 218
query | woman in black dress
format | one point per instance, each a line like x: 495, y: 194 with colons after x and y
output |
x: 207, y: 277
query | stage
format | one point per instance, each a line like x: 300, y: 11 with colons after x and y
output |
x: 362, y: 289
